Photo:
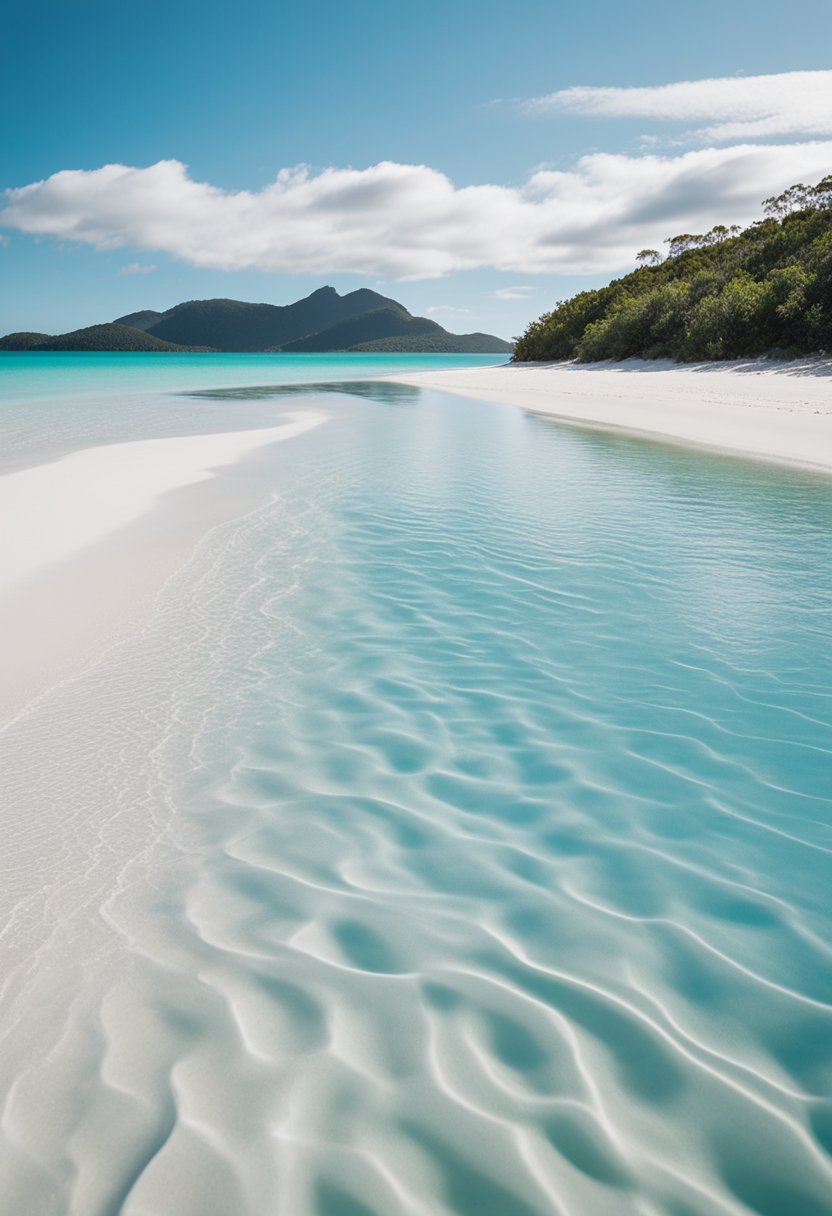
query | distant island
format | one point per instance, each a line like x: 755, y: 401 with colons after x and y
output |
x: 727, y: 294
x: 361, y: 321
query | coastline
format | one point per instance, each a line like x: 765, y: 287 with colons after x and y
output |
x: 777, y: 413
x: 96, y: 535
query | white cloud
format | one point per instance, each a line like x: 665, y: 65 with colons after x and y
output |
x: 138, y: 268
x: 514, y: 293
x: 410, y: 221
x: 4, y: 240
x: 448, y: 310
x: 732, y: 107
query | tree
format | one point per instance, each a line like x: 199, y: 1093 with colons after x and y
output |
x: 680, y: 244
x: 821, y: 194
x: 648, y: 257
x: 796, y: 198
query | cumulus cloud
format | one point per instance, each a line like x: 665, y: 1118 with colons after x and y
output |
x: 731, y: 107
x: 138, y: 268
x: 513, y: 293
x: 410, y: 221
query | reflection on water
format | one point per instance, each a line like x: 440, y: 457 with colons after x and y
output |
x: 385, y: 392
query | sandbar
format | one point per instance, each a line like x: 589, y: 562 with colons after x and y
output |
x: 89, y: 540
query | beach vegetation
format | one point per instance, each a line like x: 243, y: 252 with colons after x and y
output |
x: 724, y: 294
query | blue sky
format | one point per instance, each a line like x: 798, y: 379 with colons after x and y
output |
x: 515, y: 206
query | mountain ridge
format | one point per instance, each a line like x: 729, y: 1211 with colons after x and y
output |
x: 365, y: 327
x: 361, y: 320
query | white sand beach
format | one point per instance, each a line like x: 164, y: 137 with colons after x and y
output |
x: 756, y: 409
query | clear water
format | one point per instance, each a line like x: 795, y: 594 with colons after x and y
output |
x: 456, y: 840
x: 56, y: 402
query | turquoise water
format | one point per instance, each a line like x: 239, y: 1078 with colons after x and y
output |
x: 472, y: 800
x: 73, y: 373
x: 56, y: 402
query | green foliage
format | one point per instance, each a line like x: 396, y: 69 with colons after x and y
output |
x: 727, y: 322
x: 726, y: 294
x: 635, y: 324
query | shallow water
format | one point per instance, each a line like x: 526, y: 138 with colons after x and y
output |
x: 454, y: 840
x: 59, y: 401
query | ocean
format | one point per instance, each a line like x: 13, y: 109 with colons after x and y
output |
x: 453, y: 836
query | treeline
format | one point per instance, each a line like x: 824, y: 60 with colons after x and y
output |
x: 435, y: 344
x: 724, y: 294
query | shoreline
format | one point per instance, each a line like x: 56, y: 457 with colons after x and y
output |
x: 780, y: 414
x: 96, y: 536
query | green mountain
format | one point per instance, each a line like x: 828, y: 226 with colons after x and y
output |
x: 95, y: 337
x: 323, y: 321
x: 237, y: 326
x: 393, y: 330
x: 392, y: 321
x: 725, y: 295
x: 140, y: 320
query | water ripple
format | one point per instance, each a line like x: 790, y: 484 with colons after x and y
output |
x: 454, y: 843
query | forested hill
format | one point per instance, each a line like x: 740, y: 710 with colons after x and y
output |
x: 729, y: 294
x: 110, y: 336
x: 362, y: 320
